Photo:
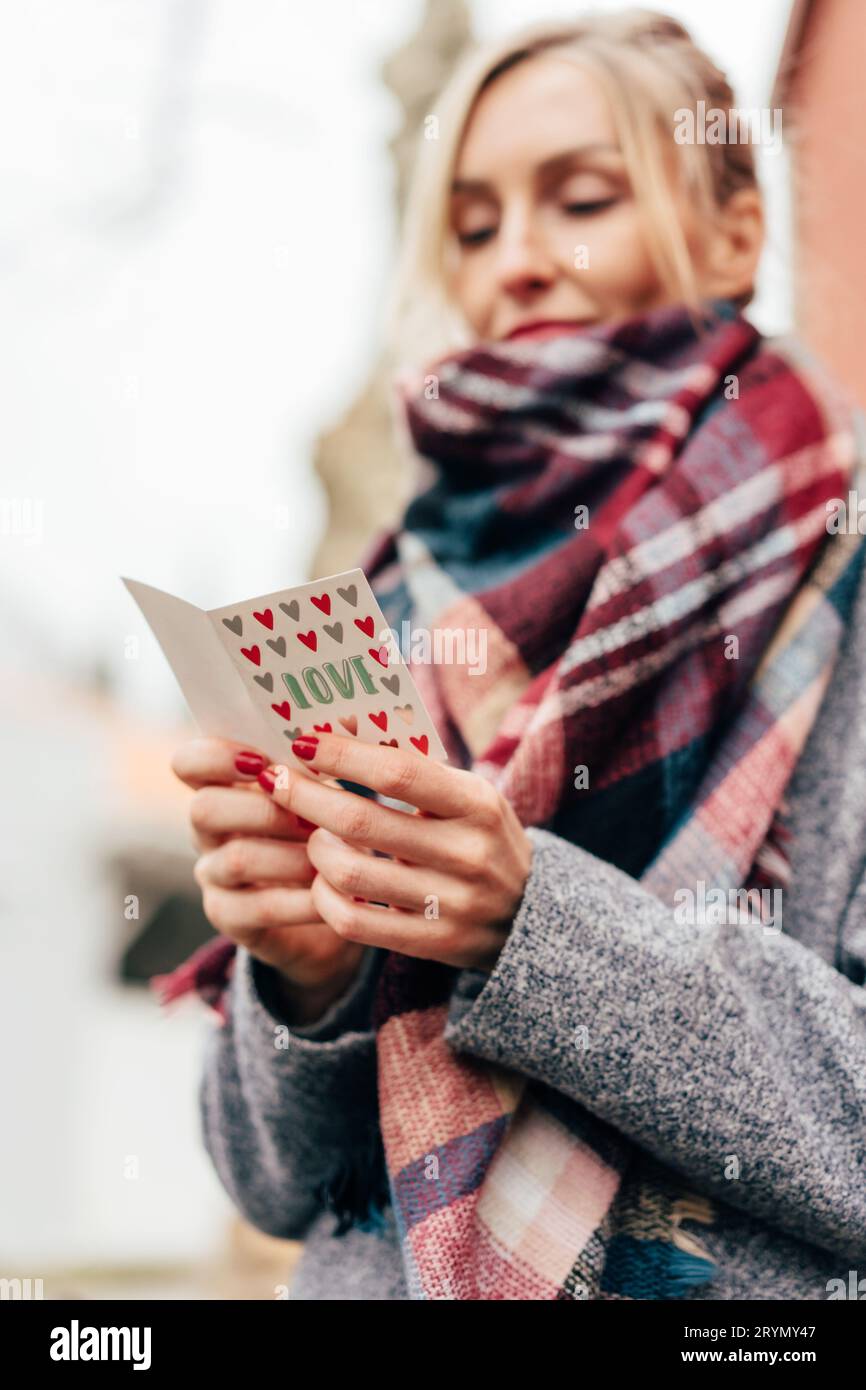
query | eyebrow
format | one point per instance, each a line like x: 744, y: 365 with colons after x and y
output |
x: 548, y: 168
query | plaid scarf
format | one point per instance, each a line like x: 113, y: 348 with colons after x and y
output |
x: 636, y: 516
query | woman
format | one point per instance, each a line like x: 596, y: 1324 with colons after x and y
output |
x: 486, y: 1014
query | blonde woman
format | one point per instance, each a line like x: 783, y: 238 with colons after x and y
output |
x: 580, y: 1014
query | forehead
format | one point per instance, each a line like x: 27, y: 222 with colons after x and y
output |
x: 543, y: 105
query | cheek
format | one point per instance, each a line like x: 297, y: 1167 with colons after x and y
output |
x: 471, y: 288
x: 619, y: 269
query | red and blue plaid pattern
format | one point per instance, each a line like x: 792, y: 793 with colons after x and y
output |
x: 673, y: 646
x: 635, y: 515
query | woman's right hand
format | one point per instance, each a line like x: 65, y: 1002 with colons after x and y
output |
x: 255, y: 876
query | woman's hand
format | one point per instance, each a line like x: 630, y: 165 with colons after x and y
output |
x: 255, y: 876
x: 459, y: 869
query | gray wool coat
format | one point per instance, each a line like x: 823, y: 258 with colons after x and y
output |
x: 707, y: 1043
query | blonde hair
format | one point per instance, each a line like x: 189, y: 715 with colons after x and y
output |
x: 649, y: 67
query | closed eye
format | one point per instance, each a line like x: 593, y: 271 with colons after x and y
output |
x: 587, y: 209
x: 476, y: 238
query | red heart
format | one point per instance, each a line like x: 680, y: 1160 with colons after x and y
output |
x: 252, y: 654
x: 388, y: 743
x: 379, y: 654
x: 323, y: 728
x: 380, y: 720
x: 284, y: 709
x: 266, y: 618
x: 309, y: 639
x: 366, y: 626
x: 420, y: 743
x: 323, y: 603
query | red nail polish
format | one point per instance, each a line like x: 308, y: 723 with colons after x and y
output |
x: 267, y: 780
x: 359, y: 900
x: 250, y: 764
x: 305, y: 747
x: 305, y: 824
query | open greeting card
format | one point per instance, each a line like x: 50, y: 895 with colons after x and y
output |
x: 319, y: 656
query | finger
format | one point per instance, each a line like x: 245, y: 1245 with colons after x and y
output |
x: 356, y: 874
x: 441, y: 844
x: 243, y: 914
x: 216, y: 812
x: 402, y: 774
x: 216, y: 760
x: 408, y: 933
x: 245, y: 860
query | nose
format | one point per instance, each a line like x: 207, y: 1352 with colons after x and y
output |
x: 524, y: 267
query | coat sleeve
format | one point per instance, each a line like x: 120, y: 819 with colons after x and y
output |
x: 736, y: 1056
x: 282, y: 1107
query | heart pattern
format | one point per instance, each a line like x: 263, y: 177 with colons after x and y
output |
x: 334, y: 630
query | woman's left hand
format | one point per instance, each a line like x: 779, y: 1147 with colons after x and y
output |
x: 459, y: 868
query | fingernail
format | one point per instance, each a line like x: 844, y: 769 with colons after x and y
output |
x: 267, y: 780
x: 305, y: 747
x: 305, y: 824
x: 359, y: 900
x: 250, y: 764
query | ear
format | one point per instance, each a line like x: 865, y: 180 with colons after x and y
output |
x: 732, y: 249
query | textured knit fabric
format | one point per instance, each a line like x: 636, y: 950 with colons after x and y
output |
x: 706, y: 516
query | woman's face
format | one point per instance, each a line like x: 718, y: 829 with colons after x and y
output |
x: 547, y: 227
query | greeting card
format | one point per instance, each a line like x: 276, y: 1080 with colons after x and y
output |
x: 316, y: 657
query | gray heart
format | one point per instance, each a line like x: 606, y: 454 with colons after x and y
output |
x: 292, y: 609
x: 334, y: 630
x: 392, y: 683
x: 235, y: 624
x: 405, y: 712
x: 350, y: 594
x: 266, y: 681
x: 292, y: 733
x: 277, y: 644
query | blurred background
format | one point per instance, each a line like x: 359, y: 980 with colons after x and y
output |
x: 201, y: 204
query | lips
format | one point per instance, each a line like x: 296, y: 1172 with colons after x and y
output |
x: 544, y: 328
